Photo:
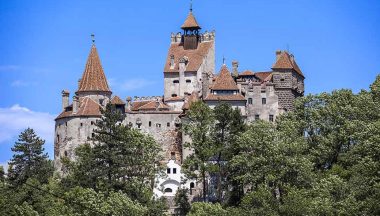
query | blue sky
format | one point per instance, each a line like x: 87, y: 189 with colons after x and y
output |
x: 44, y: 46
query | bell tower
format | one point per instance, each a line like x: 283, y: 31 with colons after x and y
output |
x: 190, y: 29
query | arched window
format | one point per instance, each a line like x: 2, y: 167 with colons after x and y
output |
x: 191, y: 185
x: 168, y: 190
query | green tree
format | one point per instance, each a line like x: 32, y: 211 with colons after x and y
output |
x: 29, y: 160
x: 198, y: 126
x: 206, y: 209
x: 181, y: 200
x: 121, y: 158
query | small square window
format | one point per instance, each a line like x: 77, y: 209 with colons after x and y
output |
x: 249, y: 100
x: 168, y: 170
x: 174, y: 170
x: 158, y: 125
x: 264, y: 100
x: 271, y: 118
x: 168, y: 124
x: 257, y: 117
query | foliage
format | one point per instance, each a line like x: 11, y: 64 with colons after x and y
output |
x: 182, y: 203
x: 29, y: 159
x: 206, y: 209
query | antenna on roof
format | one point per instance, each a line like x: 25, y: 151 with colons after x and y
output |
x: 93, y: 38
x: 191, y: 5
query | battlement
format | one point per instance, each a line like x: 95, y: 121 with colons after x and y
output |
x: 204, y: 37
x: 147, y: 98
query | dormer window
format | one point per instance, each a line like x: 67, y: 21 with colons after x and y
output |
x: 101, y: 101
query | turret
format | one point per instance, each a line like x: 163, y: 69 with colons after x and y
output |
x: 65, y: 99
x: 190, y: 32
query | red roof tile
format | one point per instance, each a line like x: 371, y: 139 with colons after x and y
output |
x: 190, y: 99
x: 225, y: 97
x: 87, y: 107
x: 116, y: 100
x: 195, y: 56
x: 93, y: 78
x: 224, y: 80
x: 152, y: 105
x: 190, y: 22
x: 177, y: 98
x: 285, y: 61
x: 246, y: 73
x: 263, y: 76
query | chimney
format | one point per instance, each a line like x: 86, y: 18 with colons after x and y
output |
x: 235, y: 65
x: 129, y: 103
x: 278, y: 53
x: 65, y: 99
x: 75, y: 104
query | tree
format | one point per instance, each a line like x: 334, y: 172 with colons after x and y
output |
x: 121, y: 158
x: 29, y: 159
x: 182, y: 202
x: 198, y: 126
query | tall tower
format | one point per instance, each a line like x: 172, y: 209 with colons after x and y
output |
x: 190, y: 58
x: 288, y: 79
x: 75, y: 124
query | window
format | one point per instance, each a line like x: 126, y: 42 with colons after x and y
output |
x: 271, y: 118
x: 282, y: 79
x: 257, y: 117
x: 92, y: 135
x: 263, y: 100
x: 172, y: 155
x: 174, y: 95
x: 92, y: 123
x: 168, y: 190
x: 101, y: 101
x: 175, y: 81
x: 57, y: 138
x: 158, y: 125
x: 249, y: 100
x: 168, y: 124
x: 150, y: 124
x: 192, y: 185
x: 65, y: 153
x: 168, y: 170
x: 66, y: 124
x: 188, y: 81
x: 81, y: 124
x: 174, y: 170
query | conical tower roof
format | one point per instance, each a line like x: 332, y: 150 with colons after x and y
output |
x: 190, y: 22
x: 224, y: 80
x: 93, y: 78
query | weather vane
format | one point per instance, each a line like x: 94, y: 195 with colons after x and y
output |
x: 93, y: 38
x: 224, y: 60
x: 191, y: 5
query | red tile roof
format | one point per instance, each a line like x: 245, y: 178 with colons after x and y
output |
x: 195, y: 56
x: 151, y: 105
x: 225, y: 97
x: 246, y: 73
x: 263, y: 76
x: 224, y: 80
x: 93, y: 78
x: 87, y: 107
x: 190, y: 99
x: 285, y: 61
x: 117, y: 101
x: 190, y: 22
x: 177, y: 98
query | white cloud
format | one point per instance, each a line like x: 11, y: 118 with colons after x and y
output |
x: 5, y: 165
x: 15, y: 119
x: 7, y: 68
x: 22, y: 83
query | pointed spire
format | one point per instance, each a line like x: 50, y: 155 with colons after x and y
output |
x: 190, y: 22
x: 224, y: 80
x: 93, y: 78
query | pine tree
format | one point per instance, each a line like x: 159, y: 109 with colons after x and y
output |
x: 181, y: 200
x: 29, y: 159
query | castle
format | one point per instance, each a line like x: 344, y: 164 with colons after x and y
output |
x: 189, y: 75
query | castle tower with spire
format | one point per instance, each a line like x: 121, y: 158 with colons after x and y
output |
x: 75, y: 123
